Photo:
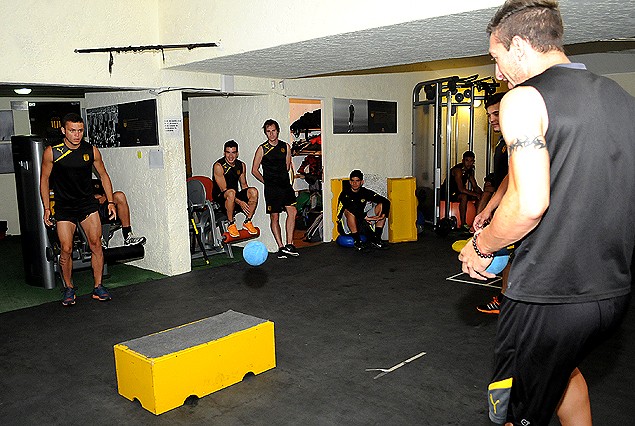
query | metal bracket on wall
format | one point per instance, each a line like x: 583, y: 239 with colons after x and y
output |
x: 161, y: 47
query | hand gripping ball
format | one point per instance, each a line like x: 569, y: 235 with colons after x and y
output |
x: 255, y: 253
x: 499, y: 261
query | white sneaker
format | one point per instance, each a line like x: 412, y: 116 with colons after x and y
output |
x: 132, y: 240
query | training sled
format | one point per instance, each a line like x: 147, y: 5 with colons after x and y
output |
x: 162, y: 370
x: 244, y: 235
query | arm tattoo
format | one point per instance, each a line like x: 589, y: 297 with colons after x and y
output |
x: 537, y: 142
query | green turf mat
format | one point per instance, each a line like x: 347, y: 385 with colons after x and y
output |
x: 15, y: 293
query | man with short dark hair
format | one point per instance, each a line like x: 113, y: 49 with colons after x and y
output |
x: 463, y: 186
x: 67, y: 168
x: 364, y: 212
x: 227, y: 173
x: 570, y: 137
x: 274, y: 156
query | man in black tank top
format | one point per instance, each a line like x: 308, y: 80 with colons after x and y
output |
x: 227, y: 173
x: 275, y: 158
x: 67, y: 169
x: 570, y: 137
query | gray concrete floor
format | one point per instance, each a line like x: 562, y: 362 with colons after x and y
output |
x: 336, y: 313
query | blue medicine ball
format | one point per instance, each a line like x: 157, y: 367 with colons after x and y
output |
x: 255, y: 253
x: 348, y: 241
x: 498, y: 262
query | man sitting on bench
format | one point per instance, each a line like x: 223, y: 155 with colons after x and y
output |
x: 227, y: 172
x: 123, y: 214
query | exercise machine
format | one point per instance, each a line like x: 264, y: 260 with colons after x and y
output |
x: 439, y: 137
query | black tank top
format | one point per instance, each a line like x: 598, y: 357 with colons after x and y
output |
x: 231, y: 174
x: 501, y: 163
x: 71, y: 176
x: 582, y: 248
x: 274, y: 164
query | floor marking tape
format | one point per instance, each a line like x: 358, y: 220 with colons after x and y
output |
x: 483, y: 284
x: 385, y: 371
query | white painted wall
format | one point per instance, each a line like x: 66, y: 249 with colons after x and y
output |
x: 157, y: 197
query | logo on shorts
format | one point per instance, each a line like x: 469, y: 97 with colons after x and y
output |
x: 268, y: 208
x: 86, y: 157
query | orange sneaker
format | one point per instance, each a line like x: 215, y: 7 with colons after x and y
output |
x: 250, y: 227
x: 233, y: 230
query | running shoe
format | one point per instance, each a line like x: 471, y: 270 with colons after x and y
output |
x: 101, y: 293
x: 281, y: 254
x: 290, y: 250
x: 68, y: 296
x: 493, y: 307
x: 250, y: 227
x: 132, y: 240
x: 104, y: 244
x: 233, y: 230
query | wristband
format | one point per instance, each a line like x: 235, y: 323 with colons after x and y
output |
x: 111, y: 202
x: 478, y: 252
x: 47, y: 209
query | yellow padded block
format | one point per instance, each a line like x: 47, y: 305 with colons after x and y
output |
x: 402, y: 222
x: 161, y: 370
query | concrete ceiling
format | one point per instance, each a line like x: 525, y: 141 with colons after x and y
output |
x: 417, y: 42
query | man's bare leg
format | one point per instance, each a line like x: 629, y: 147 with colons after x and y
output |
x: 92, y: 229
x: 290, y: 222
x: 575, y: 405
x: 65, y: 232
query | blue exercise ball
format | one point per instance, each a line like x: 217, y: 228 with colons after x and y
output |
x: 348, y: 241
x: 255, y: 253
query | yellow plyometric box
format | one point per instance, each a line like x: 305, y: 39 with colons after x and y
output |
x: 402, y: 223
x: 336, y: 189
x: 162, y: 370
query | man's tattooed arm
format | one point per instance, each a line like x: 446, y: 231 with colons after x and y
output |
x: 537, y: 142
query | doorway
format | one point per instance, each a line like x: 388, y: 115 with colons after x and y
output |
x: 305, y: 116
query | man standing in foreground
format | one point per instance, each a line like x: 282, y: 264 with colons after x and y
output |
x: 275, y: 158
x: 69, y: 167
x: 570, y: 136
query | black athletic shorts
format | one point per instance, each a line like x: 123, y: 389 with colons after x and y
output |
x: 241, y: 195
x: 537, y: 348
x: 77, y: 212
x: 278, y: 198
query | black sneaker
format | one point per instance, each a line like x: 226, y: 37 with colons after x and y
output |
x: 290, y: 250
x: 281, y: 254
x: 493, y: 307
x: 379, y: 244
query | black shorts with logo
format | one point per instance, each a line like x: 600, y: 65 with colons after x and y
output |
x: 277, y: 198
x: 538, y: 345
x: 77, y: 212
x: 240, y: 195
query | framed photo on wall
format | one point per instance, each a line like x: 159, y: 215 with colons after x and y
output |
x: 364, y: 116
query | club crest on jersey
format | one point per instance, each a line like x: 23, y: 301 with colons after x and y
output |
x: 504, y: 150
x: 239, y: 172
x: 282, y: 149
x: 86, y: 157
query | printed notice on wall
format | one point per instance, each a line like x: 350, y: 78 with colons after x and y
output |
x: 172, y: 125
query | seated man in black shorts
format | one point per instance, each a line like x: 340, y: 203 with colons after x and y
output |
x: 227, y: 173
x: 123, y: 213
x: 362, y: 208
x: 460, y: 176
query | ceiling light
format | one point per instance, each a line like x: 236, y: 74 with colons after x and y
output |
x: 23, y: 91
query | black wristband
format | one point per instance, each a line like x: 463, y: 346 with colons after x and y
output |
x: 478, y: 252
x: 111, y: 202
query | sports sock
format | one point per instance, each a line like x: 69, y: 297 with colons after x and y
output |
x: 356, y: 237
x: 126, y: 231
x: 378, y: 232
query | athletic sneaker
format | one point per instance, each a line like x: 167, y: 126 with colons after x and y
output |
x: 466, y: 228
x: 104, y: 244
x: 68, y: 296
x: 101, y: 293
x: 233, y: 230
x: 132, y: 240
x: 281, y: 254
x: 493, y: 307
x: 290, y: 250
x: 250, y: 227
